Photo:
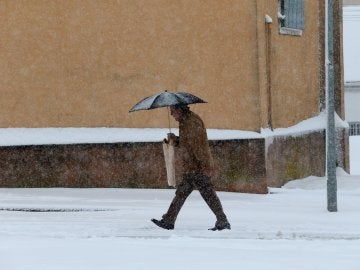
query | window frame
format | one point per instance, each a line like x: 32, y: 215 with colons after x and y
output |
x: 354, y: 128
x: 285, y: 30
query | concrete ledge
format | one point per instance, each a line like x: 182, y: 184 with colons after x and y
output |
x: 134, y: 165
x: 291, y: 157
x: 244, y: 165
x: 82, y: 165
x: 296, y: 157
x: 241, y: 165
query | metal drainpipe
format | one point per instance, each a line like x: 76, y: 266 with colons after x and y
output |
x: 268, y: 22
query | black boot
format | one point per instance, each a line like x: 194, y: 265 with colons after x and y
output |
x: 221, y: 225
x: 162, y: 224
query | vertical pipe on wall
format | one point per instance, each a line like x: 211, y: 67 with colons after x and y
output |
x: 268, y: 22
x: 261, y: 7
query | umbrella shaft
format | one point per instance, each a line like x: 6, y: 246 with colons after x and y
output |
x: 169, y: 118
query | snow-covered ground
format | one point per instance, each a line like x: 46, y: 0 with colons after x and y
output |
x: 289, y: 228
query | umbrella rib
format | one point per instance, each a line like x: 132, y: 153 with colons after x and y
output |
x: 134, y: 108
x: 154, y: 101
x: 178, y: 98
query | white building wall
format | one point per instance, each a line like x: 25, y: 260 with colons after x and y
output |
x: 352, y: 101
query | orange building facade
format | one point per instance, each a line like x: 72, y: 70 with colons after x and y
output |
x: 85, y: 63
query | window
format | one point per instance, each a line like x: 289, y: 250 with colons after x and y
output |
x: 291, y: 16
x: 354, y: 128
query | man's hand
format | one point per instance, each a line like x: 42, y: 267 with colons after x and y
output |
x: 171, y: 138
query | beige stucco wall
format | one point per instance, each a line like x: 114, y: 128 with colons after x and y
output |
x: 295, y: 71
x: 83, y: 63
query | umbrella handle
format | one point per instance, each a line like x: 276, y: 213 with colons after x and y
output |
x: 169, y: 118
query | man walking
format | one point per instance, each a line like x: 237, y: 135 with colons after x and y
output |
x: 198, y: 168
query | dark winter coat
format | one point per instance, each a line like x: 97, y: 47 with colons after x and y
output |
x: 194, y: 146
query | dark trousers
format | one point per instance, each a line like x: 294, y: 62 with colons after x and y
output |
x: 191, y: 181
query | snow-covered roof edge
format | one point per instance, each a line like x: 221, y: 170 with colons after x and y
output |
x: 48, y: 136
x: 316, y: 123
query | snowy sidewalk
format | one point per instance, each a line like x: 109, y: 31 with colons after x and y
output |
x: 111, y: 229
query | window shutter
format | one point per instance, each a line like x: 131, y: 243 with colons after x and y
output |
x: 295, y: 14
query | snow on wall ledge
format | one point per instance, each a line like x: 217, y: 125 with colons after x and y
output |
x: 46, y: 136
x: 305, y: 127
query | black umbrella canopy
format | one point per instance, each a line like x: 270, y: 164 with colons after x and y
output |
x: 165, y: 99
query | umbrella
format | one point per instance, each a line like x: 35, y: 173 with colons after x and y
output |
x: 166, y: 99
